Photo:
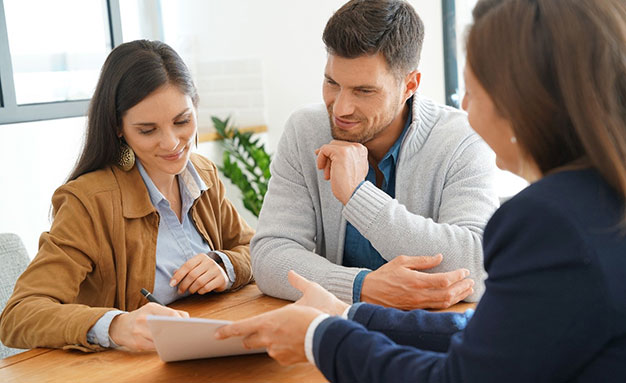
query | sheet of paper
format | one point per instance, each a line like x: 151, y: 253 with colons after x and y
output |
x: 192, y: 338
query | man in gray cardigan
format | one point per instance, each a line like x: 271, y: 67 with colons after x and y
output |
x: 404, y: 186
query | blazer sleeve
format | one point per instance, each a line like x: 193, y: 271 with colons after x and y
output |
x: 418, y: 328
x: 542, y: 318
x: 40, y: 313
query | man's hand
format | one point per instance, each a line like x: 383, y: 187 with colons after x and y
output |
x: 314, y: 295
x: 131, y: 329
x: 200, y: 274
x: 345, y: 165
x: 280, y: 331
x: 399, y: 284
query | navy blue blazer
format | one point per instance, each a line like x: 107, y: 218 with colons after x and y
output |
x: 554, y: 309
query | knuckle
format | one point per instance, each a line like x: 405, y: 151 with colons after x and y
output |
x: 194, y: 274
x: 449, y: 300
x: 444, y: 283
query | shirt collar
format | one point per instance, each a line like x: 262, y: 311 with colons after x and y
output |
x: 394, y: 151
x: 192, y: 184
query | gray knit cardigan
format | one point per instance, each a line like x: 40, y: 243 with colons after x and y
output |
x: 444, y: 197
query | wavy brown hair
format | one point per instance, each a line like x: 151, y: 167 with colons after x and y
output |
x: 368, y: 27
x: 557, y: 70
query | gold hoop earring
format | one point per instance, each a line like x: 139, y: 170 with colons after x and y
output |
x: 126, y: 157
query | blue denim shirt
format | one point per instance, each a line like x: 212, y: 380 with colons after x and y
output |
x: 177, y: 242
x: 358, y: 251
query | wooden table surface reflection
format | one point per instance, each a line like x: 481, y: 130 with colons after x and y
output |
x: 50, y: 365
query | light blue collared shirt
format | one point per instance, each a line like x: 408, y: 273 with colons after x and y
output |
x: 358, y: 251
x: 177, y: 242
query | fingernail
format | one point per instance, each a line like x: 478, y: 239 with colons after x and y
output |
x: 172, y: 282
x: 466, y: 273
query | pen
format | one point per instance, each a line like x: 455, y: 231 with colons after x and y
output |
x: 150, y: 297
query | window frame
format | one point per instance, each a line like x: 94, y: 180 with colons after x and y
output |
x: 10, y: 111
x: 451, y: 72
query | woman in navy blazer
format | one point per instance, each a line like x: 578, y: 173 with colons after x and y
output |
x: 546, y: 89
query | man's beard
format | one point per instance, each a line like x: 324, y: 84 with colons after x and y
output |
x: 362, y: 134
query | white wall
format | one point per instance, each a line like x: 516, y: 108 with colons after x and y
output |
x: 35, y: 158
x: 286, y: 35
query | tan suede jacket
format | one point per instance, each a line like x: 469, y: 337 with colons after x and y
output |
x: 100, y: 252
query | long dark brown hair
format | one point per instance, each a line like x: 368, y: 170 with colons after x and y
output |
x: 131, y: 72
x: 557, y: 70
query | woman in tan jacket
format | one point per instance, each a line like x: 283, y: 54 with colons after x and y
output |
x: 138, y: 211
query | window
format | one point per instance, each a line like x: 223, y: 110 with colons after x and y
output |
x: 50, y: 55
x: 457, y: 16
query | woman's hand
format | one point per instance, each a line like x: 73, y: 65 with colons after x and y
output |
x: 131, y: 329
x: 280, y: 331
x: 201, y: 275
x: 314, y: 295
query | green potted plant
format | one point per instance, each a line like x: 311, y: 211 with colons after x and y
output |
x: 245, y: 162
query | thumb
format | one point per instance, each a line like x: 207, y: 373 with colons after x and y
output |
x: 182, y: 314
x: 298, y: 281
x: 423, y: 262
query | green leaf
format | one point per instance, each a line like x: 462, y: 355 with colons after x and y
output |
x: 245, y: 162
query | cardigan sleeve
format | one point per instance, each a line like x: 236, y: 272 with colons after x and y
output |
x: 542, y: 318
x: 286, y: 235
x: 467, y: 200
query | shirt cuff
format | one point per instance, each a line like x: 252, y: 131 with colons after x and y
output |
x: 228, y: 266
x: 357, y: 187
x: 358, y: 285
x: 308, y: 339
x: 99, y: 332
x: 351, y: 311
x: 345, y: 313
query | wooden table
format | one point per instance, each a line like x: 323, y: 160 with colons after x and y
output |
x: 50, y: 365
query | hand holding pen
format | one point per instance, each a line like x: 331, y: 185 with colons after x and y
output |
x: 150, y: 297
x: 131, y: 329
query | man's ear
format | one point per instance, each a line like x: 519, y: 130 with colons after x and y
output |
x: 411, y: 83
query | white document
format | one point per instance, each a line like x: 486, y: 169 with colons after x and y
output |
x: 192, y: 338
